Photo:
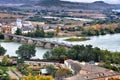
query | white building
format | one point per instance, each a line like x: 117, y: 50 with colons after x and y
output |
x: 0, y: 25
x: 19, y: 23
x: 14, y: 28
x: 27, y: 27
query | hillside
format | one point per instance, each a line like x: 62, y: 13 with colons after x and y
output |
x: 58, y: 3
x: 63, y: 4
x: 17, y: 1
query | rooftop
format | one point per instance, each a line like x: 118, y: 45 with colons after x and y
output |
x: 92, y: 71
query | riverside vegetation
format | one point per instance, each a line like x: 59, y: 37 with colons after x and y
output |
x: 77, y: 39
x: 100, y: 30
x: 85, y: 53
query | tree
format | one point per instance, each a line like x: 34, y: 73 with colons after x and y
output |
x: 50, y: 34
x: 39, y: 32
x: 26, y: 51
x: 51, y: 69
x: 2, y: 51
x: 38, y: 77
x: 58, y: 53
x: 57, y: 30
x: 5, y: 60
x: 18, y: 31
x: 62, y: 72
x: 1, y: 36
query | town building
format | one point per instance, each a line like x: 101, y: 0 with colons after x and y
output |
x: 89, y: 71
x: 8, y: 28
x: 25, y: 26
x: 19, y: 23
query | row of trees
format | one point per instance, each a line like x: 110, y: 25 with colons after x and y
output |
x: 80, y: 53
x: 38, y: 33
x: 83, y: 53
x: 100, y: 31
x: 38, y: 77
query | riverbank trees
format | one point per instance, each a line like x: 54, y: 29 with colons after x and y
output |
x: 83, y: 53
x: 18, y: 31
x: 26, y: 51
x: 2, y: 51
x: 39, y: 32
x: 100, y: 30
x: 1, y: 36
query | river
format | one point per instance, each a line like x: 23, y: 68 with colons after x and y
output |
x: 110, y: 42
x: 11, y: 48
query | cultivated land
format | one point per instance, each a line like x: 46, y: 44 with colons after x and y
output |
x: 4, y: 15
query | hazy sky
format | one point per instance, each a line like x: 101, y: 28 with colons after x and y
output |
x: 108, y: 1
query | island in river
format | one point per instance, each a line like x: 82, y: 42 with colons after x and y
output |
x: 77, y: 39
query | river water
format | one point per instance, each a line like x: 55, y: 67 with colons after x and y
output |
x: 110, y: 42
x: 11, y: 48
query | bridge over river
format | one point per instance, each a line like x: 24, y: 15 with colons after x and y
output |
x: 38, y: 42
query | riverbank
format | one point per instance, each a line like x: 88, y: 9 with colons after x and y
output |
x: 2, y: 40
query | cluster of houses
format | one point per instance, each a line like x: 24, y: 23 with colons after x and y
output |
x: 80, y: 70
x: 25, y: 26
x: 90, y: 71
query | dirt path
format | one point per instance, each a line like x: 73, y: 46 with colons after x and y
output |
x: 12, y: 75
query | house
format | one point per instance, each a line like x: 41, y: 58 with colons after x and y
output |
x: 1, y: 57
x: 89, y: 71
x: 9, y: 28
x: 27, y: 27
x: 6, y: 29
x: 43, y: 72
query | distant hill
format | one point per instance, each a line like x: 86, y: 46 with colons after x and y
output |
x: 17, y: 1
x: 64, y: 4
x: 94, y: 5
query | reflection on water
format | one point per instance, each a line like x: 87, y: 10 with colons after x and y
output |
x: 11, y: 47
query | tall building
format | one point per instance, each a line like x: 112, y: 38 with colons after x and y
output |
x: 19, y: 23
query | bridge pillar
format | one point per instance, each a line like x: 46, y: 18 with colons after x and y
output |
x: 22, y: 40
x: 47, y: 45
x: 6, y: 37
x: 39, y: 43
x: 56, y: 45
x: 30, y: 41
x: 15, y: 39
